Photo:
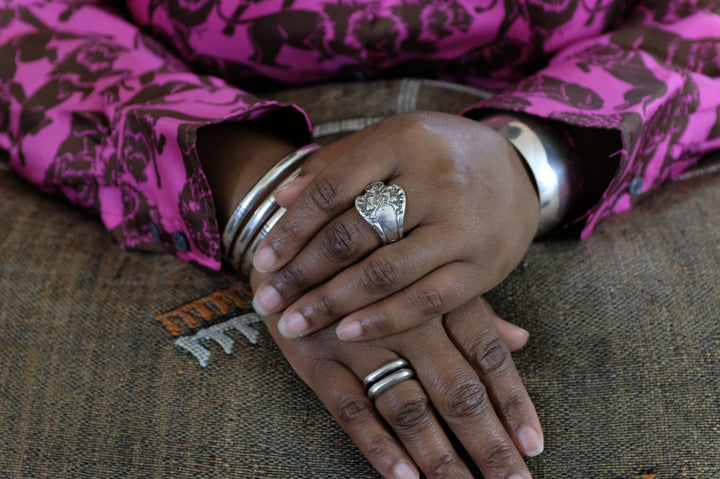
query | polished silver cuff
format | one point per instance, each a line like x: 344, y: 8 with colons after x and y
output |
x: 550, y: 157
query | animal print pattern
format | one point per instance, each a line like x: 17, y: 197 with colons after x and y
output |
x: 101, y: 103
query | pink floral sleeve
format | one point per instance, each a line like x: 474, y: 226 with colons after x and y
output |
x: 93, y: 107
x: 101, y: 113
x: 655, y: 81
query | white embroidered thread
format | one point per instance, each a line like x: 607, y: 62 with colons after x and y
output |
x: 343, y: 126
x: 193, y: 344
x: 408, y: 95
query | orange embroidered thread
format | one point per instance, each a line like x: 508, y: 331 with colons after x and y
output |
x: 205, y: 309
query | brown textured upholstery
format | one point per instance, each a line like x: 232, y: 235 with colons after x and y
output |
x: 623, y: 362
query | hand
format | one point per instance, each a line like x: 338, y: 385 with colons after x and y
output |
x: 471, y: 213
x: 465, y: 377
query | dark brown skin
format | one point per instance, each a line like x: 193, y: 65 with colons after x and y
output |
x: 465, y: 375
x: 472, y: 212
x: 461, y: 351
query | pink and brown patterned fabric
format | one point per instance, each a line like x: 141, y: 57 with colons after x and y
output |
x: 621, y: 364
x: 101, y: 103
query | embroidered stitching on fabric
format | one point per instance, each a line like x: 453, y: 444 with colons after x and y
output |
x: 344, y: 126
x: 204, y: 310
x: 408, y: 95
x: 217, y: 333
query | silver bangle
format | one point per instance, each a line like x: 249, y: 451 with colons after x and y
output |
x: 549, y: 155
x: 246, y: 262
x: 259, y: 216
x: 260, y: 191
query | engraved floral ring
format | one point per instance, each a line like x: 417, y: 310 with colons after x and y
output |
x: 383, y: 207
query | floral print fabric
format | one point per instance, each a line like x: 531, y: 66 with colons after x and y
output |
x: 102, y: 105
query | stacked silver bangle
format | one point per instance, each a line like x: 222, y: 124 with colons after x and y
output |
x: 258, y: 212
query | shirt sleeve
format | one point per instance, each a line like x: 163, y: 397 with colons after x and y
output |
x: 93, y: 109
x: 654, y: 83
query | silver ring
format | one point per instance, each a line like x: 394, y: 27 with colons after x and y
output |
x: 389, y: 381
x: 383, y: 207
x: 379, y: 373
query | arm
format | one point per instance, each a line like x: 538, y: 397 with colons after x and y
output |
x: 642, y: 103
x: 93, y: 109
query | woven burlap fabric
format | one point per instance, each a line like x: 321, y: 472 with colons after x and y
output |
x: 622, y: 365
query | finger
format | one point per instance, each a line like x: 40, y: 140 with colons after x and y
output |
x: 315, y: 164
x: 464, y: 402
x: 288, y: 194
x: 348, y: 404
x: 514, y: 336
x: 473, y: 331
x: 386, y: 271
x: 354, y: 412
x: 408, y: 412
x: 340, y: 243
x: 329, y: 194
x: 437, y: 293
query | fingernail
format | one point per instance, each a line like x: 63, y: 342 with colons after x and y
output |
x: 517, y: 476
x: 349, y: 330
x: 290, y: 182
x: 265, y: 259
x: 530, y: 441
x: 266, y: 300
x: 292, y: 325
x: 403, y: 470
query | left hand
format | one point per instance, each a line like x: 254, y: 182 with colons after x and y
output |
x: 465, y: 380
x: 471, y: 213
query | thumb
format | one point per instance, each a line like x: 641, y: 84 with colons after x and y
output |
x: 289, y: 193
x: 317, y: 162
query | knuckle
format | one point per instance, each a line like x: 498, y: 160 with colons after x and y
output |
x: 324, y: 195
x: 491, y: 354
x: 324, y: 306
x: 498, y: 456
x: 290, y: 276
x: 379, y: 276
x: 380, y: 447
x: 443, y: 466
x: 352, y: 411
x: 513, y: 407
x: 467, y: 400
x: 430, y: 302
x: 338, y: 241
x: 410, y: 415
x: 284, y: 233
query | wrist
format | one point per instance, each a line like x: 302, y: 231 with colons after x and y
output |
x: 234, y: 157
x: 549, y: 157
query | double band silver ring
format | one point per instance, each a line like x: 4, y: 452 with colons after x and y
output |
x: 383, y: 207
x: 386, y: 377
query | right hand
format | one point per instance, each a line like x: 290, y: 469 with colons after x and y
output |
x: 465, y: 377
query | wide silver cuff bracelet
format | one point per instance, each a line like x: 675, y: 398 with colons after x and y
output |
x: 549, y: 155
